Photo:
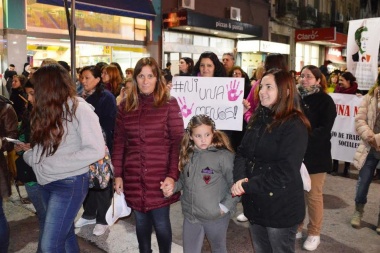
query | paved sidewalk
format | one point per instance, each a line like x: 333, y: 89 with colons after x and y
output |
x: 337, y: 234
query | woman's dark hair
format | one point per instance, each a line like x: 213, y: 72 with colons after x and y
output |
x: 53, y: 89
x: 349, y: 77
x: 219, y: 68
x: 23, y: 79
x: 97, y: 73
x: 190, y: 64
x: 25, y: 120
x: 288, y: 103
x: 318, y: 75
x: 276, y: 61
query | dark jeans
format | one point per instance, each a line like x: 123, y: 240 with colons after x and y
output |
x: 4, y: 230
x: 159, y: 218
x: 273, y: 240
x: 365, y: 178
x: 63, y: 199
x: 97, y: 203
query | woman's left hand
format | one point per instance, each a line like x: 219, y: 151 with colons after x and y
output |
x: 237, y: 188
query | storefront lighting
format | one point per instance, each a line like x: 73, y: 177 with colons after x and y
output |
x: 188, y: 28
x: 14, y: 42
x: 215, y: 32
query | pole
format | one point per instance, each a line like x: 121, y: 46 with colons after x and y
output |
x: 73, y: 42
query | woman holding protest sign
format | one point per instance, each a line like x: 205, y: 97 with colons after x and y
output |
x: 347, y: 85
x: 209, y: 65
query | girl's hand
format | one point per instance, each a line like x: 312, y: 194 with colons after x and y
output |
x: 167, y: 186
x: 118, y: 186
x: 237, y: 188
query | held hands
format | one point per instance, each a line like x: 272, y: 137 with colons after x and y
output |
x: 118, y: 185
x: 237, y: 188
x: 167, y: 187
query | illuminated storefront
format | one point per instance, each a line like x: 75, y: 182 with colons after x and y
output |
x: 100, y: 37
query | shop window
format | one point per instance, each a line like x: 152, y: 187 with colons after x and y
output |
x: 201, y: 41
x: 53, y: 20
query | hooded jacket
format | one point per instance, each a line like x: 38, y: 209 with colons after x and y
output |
x: 206, y: 181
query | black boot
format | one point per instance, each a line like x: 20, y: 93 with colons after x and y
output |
x: 346, y: 169
x: 334, y: 171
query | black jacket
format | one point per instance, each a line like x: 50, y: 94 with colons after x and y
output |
x: 274, y: 195
x: 321, y: 111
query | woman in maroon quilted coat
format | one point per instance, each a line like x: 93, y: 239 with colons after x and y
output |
x: 147, y: 137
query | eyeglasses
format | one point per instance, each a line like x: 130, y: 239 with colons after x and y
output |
x: 236, y: 74
x: 149, y: 76
x: 307, y: 76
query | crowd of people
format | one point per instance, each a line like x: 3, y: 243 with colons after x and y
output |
x: 64, y: 126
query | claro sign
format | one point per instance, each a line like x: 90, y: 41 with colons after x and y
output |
x: 315, y: 34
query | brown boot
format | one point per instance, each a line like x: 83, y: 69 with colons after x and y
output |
x: 357, y: 217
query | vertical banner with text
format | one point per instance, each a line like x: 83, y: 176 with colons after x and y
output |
x: 344, y: 139
x: 221, y: 98
x: 363, y: 50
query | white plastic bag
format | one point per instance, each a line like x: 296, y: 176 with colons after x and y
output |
x: 305, y: 178
x: 118, y: 209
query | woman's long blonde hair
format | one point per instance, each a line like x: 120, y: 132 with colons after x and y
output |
x: 219, y: 140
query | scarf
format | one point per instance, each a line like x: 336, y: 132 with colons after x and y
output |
x: 306, y: 91
x: 86, y: 94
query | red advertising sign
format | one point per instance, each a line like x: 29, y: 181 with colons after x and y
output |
x: 315, y: 34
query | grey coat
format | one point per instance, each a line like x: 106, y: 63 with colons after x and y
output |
x: 206, y: 182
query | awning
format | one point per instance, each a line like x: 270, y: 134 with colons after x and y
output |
x: 128, y: 8
x: 186, y: 20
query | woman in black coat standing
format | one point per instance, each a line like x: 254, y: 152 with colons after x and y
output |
x: 267, y: 165
x: 320, y: 109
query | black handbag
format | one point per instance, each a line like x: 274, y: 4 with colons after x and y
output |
x: 25, y: 173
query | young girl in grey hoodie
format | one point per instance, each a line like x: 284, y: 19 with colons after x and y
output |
x: 206, y: 164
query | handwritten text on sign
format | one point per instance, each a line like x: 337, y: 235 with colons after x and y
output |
x: 221, y: 98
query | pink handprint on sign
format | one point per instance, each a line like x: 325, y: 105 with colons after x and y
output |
x: 233, y: 90
x: 184, y: 109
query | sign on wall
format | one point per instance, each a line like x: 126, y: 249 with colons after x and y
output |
x: 363, y: 50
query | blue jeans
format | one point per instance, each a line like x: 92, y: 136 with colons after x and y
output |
x: 34, y: 194
x: 4, y: 230
x: 365, y: 178
x: 159, y: 218
x: 272, y: 240
x: 63, y: 199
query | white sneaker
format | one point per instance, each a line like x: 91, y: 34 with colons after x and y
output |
x: 312, y: 242
x: 99, y: 229
x: 83, y: 222
x: 241, y: 217
x: 299, y: 235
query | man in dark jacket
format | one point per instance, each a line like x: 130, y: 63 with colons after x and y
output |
x: 8, y: 76
x: 8, y: 128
